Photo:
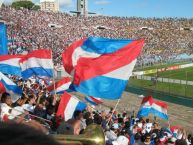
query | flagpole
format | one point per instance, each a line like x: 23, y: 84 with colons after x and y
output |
x: 113, y: 111
x: 53, y: 79
x: 168, y: 122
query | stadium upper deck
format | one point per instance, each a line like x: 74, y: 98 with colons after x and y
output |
x: 165, y: 38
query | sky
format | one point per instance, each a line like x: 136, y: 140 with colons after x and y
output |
x: 139, y: 8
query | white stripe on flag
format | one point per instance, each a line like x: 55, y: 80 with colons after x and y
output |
x: 63, y: 87
x: 159, y: 108
x: 79, y: 52
x: 122, y: 73
x: 6, y: 79
x: 70, y: 108
x: 36, y: 62
x: 13, y: 62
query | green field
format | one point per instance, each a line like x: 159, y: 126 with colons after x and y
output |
x: 157, y: 66
x: 176, y: 89
x: 181, y: 74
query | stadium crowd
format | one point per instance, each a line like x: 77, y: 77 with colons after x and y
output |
x: 37, y: 108
x: 29, y: 30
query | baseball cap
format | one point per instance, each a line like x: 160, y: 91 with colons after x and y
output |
x: 115, y: 126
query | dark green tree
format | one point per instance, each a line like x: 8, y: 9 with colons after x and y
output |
x: 36, y: 7
x: 3, y: 5
x: 22, y: 4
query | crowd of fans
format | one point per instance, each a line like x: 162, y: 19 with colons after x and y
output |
x: 37, y: 110
x: 29, y: 30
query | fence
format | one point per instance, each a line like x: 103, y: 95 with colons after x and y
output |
x: 167, y: 85
x: 177, y: 99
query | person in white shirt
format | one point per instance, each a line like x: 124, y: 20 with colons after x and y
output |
x: 148, y: 126
x: 111, y: 135
x: 30, y: 105
x: 6, y: 103
x: 121, y: 140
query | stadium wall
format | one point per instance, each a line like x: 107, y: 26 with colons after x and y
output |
x: 188, y: 102
x: 175, y: 67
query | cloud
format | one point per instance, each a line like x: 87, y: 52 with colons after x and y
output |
x: 65, y: 3
x: 62, y: 2
x: 7, y: 1
x: 102, y: 2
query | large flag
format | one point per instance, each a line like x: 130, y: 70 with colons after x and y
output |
x: 159, y: 109
x: 68, y: 104
x: 93, y: 100
x: 3, y: 39
x: 37, y: 63
x: 60, y: 86
x: 9, y: 64
x: 145, y: 107
x: 101, y: 66
x: 9, y: 86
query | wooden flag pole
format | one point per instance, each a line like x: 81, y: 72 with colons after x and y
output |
x: 114, y: 110
x: 53, y: 79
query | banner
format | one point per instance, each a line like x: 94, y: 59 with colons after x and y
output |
x: 150, y: 71
x: 3, y: 39
x: 173, y: 67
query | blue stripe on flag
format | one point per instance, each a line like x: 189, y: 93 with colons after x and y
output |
x: 37, y: 71
x: 9, y: 69
x: 104, y: 45
x: 59, y: 92
x: 143, y: 112
x: 3, y: 39
x: 102, y: 87
x: 159, y: 114
x: 81, y: 106
x: 14, y: 88
x: 91, y: 102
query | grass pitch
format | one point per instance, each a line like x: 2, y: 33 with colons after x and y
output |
x: 178, y: 89
x: 181, y: 74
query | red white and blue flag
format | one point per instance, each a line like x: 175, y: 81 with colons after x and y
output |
x: 101, y: 66
x: 9, y: 64
x: 159, y: 109
x: 93, y: 100
x: 7, y: 85
x: 69, y: 104
x: 145, y: 107
x: 150, y: 106
x: 60, y: 86
x: 37, y: 63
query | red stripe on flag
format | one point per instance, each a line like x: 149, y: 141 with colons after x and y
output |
x: 161, y: 104
x: 63, y: 103
x: 7, y: 57
x: 59, y: 83
x: 88, y: 68
x: 96, y: 100
x: 67, y: 55
x: 42, y: 54
x: 2, y: 88
x: 148, y: 99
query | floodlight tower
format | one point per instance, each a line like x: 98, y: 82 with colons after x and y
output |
x: 82, y: 8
